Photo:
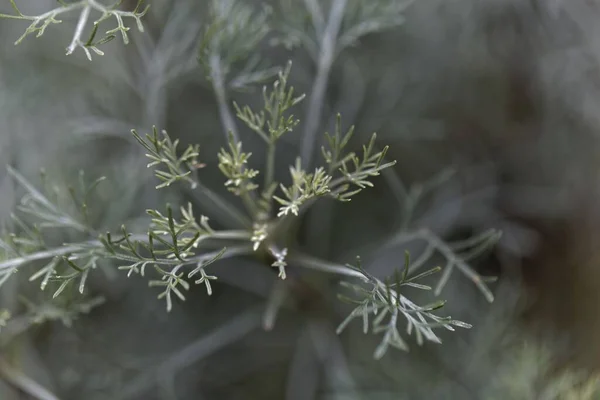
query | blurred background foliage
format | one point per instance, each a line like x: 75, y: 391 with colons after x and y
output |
x: 504, y: 92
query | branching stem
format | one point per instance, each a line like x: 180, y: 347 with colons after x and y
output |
x: 452, y: 259
x: 83, y: 18
x: 72, y: 248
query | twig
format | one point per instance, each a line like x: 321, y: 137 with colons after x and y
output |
x: 41, y: 255
x: 83, y: 18
x: 306, y: 261
x: 72, y: 248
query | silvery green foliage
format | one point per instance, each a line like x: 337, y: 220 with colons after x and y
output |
x: 170, y: 242
x: 39, y: 23
x: 156, y: 81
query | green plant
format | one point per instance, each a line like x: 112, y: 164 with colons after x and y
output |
x: 180, y: 247
x: 39, y: 23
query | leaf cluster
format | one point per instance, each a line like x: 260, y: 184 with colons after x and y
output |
x: 362, y: 18
x: 305, y: 23
x: 232, y: 163
x: 40, y: 212
x: 271, y: 122
x: 169, y: 247
x: 275, y: 119
x: 381, y: 304
x: 163, y: 151
x: 229, y: 43
x: 304, y: 187
x: 64, y: 311
x: 355, y: 170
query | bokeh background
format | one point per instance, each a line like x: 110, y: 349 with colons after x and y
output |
x: 504, y: 92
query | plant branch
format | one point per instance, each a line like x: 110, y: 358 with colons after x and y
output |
x: 218, y: 83
x: 83, y: 18
x: 71, y: 248
x: 319, y: 88
x: 453, y: 259
x: 42, y: 255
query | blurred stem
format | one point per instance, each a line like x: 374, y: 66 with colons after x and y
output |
x: 316, y: 15
x: 250, y: 204
x: 274, y: 303
x: 228, y: 333
x: 41, y: 255
x: 434, y: 242
x: 218, y: 83
x: 229, y: 211
x: 24, y: 383
x: 319, y: 88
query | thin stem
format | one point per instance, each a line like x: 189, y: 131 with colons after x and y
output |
x: 238, y: 234
x: 229, y: 253
x: 24, y: 383
x: 319, y: 227
x: 8, y: 16
x: 274, y: 304
x: 218, y: 83
x: 72, y: 248
x: 228, y: 209
x: 330, y: 351
x: 177, y: 263
x: 47, y: 14
x: 41, y: 255
x: 250, y: 204
x: 319, y: 88
x: 270, y: 170
x: 449, y: 254
x: 83, y: 18
x: 306, y: 261
x: 445, y: 250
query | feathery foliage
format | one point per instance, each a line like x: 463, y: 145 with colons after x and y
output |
x: 39, y: 23
x: 178, y: 250
x: 385, y: 304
